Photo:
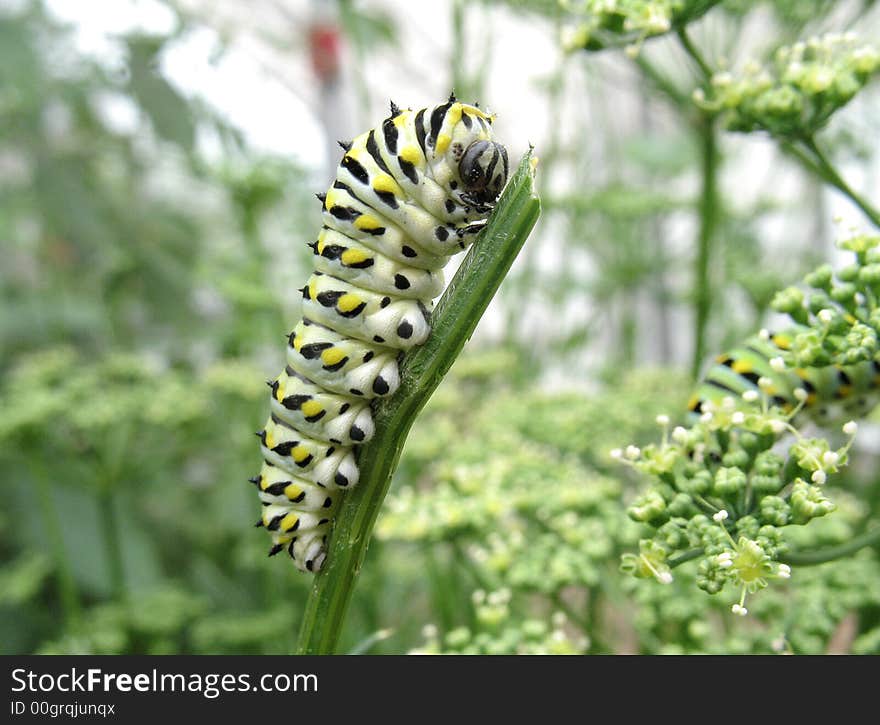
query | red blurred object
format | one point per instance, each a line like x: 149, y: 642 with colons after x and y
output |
x: 324, y: 48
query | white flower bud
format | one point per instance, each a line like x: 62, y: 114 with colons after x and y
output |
x: 720, y: 516
x: 750, y: 396
x: 784, y: 571
x: 830, y: 459
x: 778, y: 364
x: 632, y: 452
x: 662, y: 419
x: 851, y: 428
x: 800, y: 394
x: 825, y: 316
x: 738, y: 418
x: 819, y: 477
x: 679, y: 434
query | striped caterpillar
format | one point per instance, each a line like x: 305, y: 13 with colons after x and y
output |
x: 408, y: 195
x: 830, y: 394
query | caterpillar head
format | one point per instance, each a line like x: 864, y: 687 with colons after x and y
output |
x: 483, y: 171
x: 470, y: 166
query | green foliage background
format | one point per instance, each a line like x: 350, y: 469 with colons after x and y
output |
x: 142, y: 310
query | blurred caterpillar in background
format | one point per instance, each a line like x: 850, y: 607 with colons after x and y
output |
x: 408, y: 195
x: 830, y: 394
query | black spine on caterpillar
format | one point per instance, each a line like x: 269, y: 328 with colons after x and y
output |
x: 408, y: 195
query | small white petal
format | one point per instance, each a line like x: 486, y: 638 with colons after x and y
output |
x: 738, y: 418
x: 819, y: 477
x: 664, y: 577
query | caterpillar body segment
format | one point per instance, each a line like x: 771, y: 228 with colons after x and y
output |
x: 408, y: 194
x: 309, y: 409
x: 322, y: 463
x: 829, y: 394
x: 349, y: 260
x: 342, y: 364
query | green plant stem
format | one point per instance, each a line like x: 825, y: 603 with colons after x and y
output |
x: 831, y: 175
x: 694, y: 53
x: 454, y: 321
x: 67, y: 590
x: 820, y: 556
x: 112, y: 541
x: 685, y: 557
x: 709, y: 217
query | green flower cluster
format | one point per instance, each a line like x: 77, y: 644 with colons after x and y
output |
x: 726, y: 493
x: 839, y: 312
x: 82, y: 401
x: 499, y: 633
x: 799, y: 92
x: 603, y: 23
x: 811, y: 615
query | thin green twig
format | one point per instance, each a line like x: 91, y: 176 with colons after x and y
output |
x: 454, y: 321
x: 820, y: 556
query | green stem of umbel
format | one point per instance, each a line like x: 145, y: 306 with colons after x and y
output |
x: 709, y: 213
x: 453, y: 322
x: 826, y: 171
x: 67, y: 589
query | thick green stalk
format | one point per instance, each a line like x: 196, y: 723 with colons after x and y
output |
x: 454, y: 321
x: 820, y: 556
x: 67, y: 589
x: 708, y: 210
x: 831, y: 175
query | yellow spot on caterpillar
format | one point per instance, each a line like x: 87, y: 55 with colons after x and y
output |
x: 443, y: 141
x: 811, y: 398
x: 292, y: 491
x: 412, y: 154
x: 783, y: 342
x: 348, y: 302
x: 311, y: 408
x: 474, y: 111
x: 386, y: 183
x: 270, y: 440
x: 313, y: 289
x: 288, y: 522
x: 722, y: 359
x: 279, y: 390
x: 844, y: 391
x: 802, y: 373
x: 367, y: 222
x: 299, y: 453
x: 351, y: 257
x: 742, y: 366
x: 692, y: 403
x: 335, y: 197
x: 401, y: 119
x: 282, y: 539
x: 321, y: 244
x: 332, y: 356
x: 453, y: 115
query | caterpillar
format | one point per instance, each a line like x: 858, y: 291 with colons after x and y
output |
x: 408, y: 194
x: 830, y: 394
